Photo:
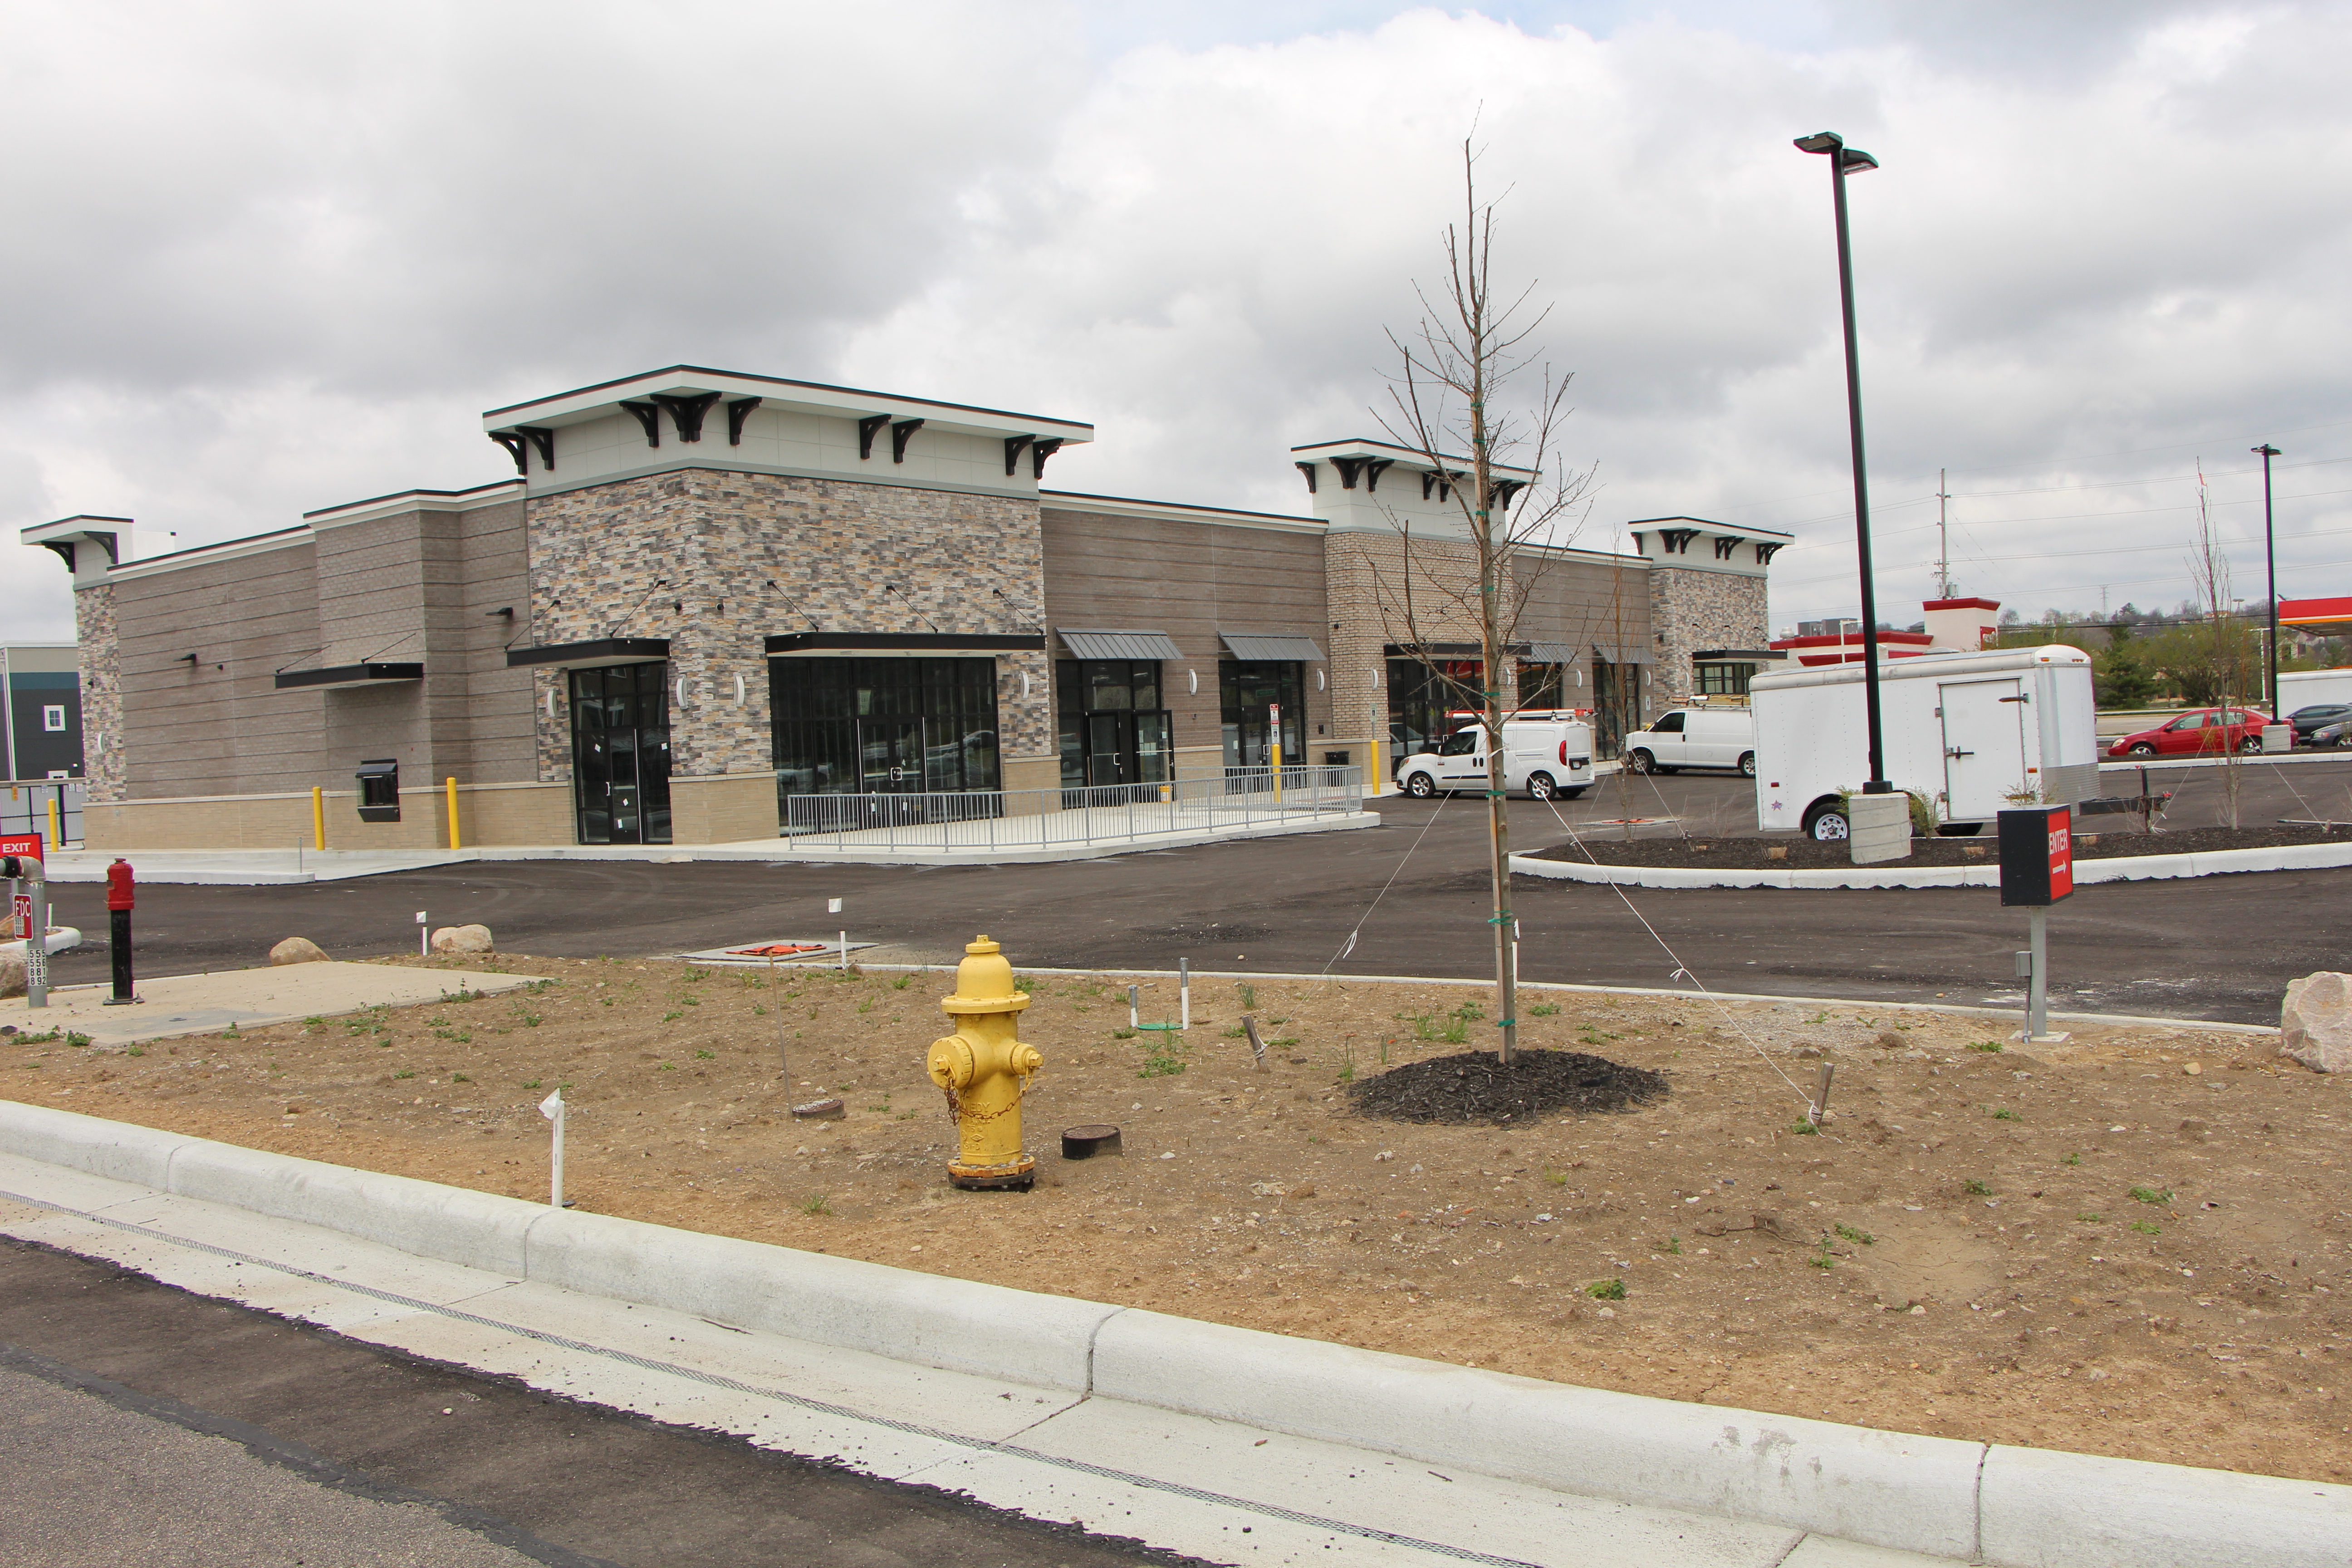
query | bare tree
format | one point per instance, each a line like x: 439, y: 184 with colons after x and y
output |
x: 1456, y: 394
x: 2209, y: 571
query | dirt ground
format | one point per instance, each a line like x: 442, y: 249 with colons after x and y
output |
x: 2133, y: 1244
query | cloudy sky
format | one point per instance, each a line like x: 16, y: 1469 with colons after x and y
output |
x: 260, y: 259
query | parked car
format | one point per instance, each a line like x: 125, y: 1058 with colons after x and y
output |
x: 1545, y: 756
x: 2307, y: 721
x: 1694, y: 738
x: 2199, y: 730
x: 2337, y: 734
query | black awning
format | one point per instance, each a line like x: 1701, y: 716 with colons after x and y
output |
x: 347, y: 675
x: 586, y: 654
x: 1737, y: 655
x: 942, y: 643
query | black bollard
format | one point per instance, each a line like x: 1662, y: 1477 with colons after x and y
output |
x: 119, y: 899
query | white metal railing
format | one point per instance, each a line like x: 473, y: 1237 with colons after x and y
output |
x: 984, y: 820
x: 24, y: 807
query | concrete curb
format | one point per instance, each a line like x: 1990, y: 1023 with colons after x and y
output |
x: 2018, y: 1507
x: 2114, y: 868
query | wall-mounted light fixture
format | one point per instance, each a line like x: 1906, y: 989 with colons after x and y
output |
x: 507, y: 611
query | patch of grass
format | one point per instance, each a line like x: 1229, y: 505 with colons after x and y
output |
x: 528, y: 1020
x: 706, y: 1056
x: 1606, y: 1290
x: 459, y: 1036
x: 136, y: 1051
x: 459, y: 1077
x: 1129, y: 1034
x: 1347, y: 1062
x: 1556, y: 1178
x: 314, y: 1023
x: 1164, y: 1059
x: 1975, y: 1188
x: 405, y: 1072
x: 1249, y: 997
x: 867, y: 1005
x: 672, y: 1017
x: 2072, y: 1160
x: 2145, y: 1228
x: 2003, y: 1113
x: 1804, y: 1128
x: 902, y: 982
x: 1543, y: 1010
x: 668, y: 1066
x: 1235, y: 1033
x: 821, y: 1204
x: 2152, y: 1195
x: 1675, y: 1246
x: 1851, y: 1233
x: 533, y: 1084
x: 1823, y: 1258
x: 1985, y: 1046
x: 2088, y: 1217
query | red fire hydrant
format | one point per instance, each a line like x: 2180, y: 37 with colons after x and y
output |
x: 120, y: 897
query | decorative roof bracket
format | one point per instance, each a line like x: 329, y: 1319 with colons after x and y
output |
x: 868, y: 428
x: 648, y: 416
x: 899, y: 434
x: 737, y: 412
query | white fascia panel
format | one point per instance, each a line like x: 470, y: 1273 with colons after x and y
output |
x: 774, y: 393
x: 414, y: 501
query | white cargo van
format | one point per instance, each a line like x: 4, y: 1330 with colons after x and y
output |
x: 1694, y: 738
x: 1546, y: 754
x: 1971, y: 732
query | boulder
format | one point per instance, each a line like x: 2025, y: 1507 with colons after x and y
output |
x: 11, y: 975
x: 463, y: 939
x: 2315, y: 1023
x: 297, y: 949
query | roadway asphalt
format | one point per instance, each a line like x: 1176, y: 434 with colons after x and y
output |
x: 2219, y: 948
x: 140, y: 1423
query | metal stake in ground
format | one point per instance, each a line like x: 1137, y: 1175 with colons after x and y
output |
x: 1257, y: 1047
x: 121, y: 894
x: 554, y: 1108
x: 2037, y: 869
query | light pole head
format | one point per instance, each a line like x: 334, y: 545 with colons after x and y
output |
x: 2266, y: 451
x: 1850, y: 160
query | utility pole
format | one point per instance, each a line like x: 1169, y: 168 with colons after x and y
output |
x: 2270, y: 572
x: 1943, y: 535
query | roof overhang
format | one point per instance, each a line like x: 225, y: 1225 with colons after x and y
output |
x: 347, y: 677
x: 591, y: 654
x: 604, y: 398
x: 1404, y: 457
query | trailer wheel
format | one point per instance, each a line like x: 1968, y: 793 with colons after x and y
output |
x: 1641, y: 761
x: 1541, y: 787
x: 1419, y: 786
x: 1825, y: 823
x: 1748, y: 764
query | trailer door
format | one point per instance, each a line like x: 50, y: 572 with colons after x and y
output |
x: 1984, y: 746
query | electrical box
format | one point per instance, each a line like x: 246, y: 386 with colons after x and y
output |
x: 380, y: 789
x: 2037, y: 854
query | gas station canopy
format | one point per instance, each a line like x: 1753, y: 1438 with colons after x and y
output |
x: 2321, y: 617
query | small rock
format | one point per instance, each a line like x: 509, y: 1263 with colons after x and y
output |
x: 2315, y: 1022
x: 297, y: 949
x: 1776, y: 852
x: 1268, y: 1190
x: 12, y: 976
x: 2192, y: 1068
x: 463, y: 939
x: 1809, y: 1053
x: 821, y: 1110
x: 1888, y: 1040
x: 1303, y: 1190
x: 1608, y: 1311
x: 1972, y: 851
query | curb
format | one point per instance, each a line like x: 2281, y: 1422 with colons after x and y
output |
x: 2018, y: 1507
x: 2112, y: 868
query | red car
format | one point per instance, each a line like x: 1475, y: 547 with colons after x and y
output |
x: 2199, y: 730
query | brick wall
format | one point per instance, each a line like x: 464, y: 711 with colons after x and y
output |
x: 1694, y: 610
x: 101, y: 691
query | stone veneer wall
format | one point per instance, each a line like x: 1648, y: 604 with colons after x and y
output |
x: 1694, y: 610
x: 101, y: 690
x: 715, y: 540
x: 1380, y: 591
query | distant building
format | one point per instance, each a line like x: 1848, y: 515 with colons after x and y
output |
x: 40, y: 699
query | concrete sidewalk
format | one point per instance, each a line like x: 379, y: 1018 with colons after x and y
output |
x: 278, y: 994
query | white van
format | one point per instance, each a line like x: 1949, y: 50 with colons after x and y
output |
x: 1694, y: 738
x: 1969, y: 732
x: 1547, y: 753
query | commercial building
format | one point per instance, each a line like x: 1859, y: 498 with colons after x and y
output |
x: 40, y: 711
x: 712, y: 606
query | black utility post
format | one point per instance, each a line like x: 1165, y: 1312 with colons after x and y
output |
x: 1844, y: 161
x: 121, y: 895
x: 2269, y: 570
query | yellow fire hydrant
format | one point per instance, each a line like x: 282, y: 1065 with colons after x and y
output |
x: 984, y: 1071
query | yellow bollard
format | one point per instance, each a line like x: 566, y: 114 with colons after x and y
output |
x: 318, y: 817
x: 57, y: 838
x: 984, y: 1070
x: 453, y: 810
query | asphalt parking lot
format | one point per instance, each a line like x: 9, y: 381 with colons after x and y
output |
x: 1412, y: 892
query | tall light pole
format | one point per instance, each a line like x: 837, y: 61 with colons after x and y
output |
x: 1844, y: 161
x: 2269, y: 570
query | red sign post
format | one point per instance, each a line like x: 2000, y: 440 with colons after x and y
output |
x: 2037, y: 869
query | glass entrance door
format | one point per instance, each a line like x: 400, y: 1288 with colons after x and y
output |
x: 890, y: 756
x: 620, y: 753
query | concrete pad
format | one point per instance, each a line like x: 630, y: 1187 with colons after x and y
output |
x: 275, y: 993
x: 1820, y: 1551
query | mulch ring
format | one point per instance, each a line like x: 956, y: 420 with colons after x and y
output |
x: 1748, y: 851
x: 1476, y: 1086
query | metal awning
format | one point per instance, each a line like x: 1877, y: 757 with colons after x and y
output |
x: 588, y: 655
x: 1100, y: 642
x: 1551, y: 653
x: 1620, y: 653
x: 1256, y: 650
x: 341, y: 676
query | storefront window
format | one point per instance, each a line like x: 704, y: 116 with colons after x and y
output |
x: 1250, y: 689
x: 1423, y: 694
x: 1616, y: 704
x: 1542, y: 685
x: 1113, y: 729
x: 884, y: 726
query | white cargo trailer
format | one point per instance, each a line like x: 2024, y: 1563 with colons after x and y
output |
x: 2309, y: 687
x: 1971, y: 732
